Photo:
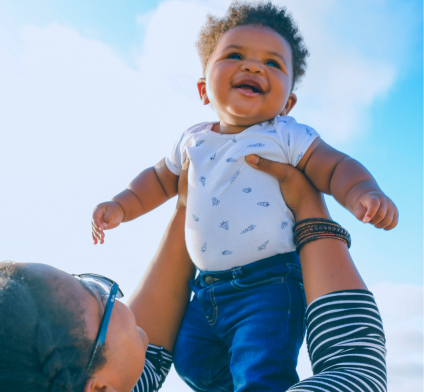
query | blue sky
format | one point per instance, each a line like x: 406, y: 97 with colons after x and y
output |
x: 94, y: 92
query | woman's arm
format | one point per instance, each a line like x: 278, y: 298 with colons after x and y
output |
x: 161, y: 298
x: 326, y: 263
x: 345, y: 339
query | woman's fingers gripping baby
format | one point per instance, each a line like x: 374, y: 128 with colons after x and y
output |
x: 300, y: 195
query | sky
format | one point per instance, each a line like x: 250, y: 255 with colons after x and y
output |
x: 92, y: 93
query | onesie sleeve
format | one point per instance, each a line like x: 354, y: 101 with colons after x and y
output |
x: 295, y: 138
x: 173, y: 159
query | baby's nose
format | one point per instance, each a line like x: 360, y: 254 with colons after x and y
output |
x: 252, y: 67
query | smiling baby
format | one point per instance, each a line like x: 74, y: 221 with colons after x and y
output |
x: 244, y: 327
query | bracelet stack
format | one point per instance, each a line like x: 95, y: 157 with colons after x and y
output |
x: 316, y: 228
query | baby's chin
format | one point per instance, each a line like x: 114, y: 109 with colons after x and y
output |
x: 245, y: 117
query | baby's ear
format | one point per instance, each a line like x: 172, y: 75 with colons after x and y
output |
x: 201, y: 87
x: 289, y: 105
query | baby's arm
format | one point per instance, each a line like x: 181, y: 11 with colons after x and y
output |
x: 151, y: 188
x: 350, y: 183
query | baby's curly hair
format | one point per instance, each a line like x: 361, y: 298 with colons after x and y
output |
x: 264, y: 14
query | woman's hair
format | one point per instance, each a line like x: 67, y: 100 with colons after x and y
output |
x: 263, y: 14
x: 43, y: 341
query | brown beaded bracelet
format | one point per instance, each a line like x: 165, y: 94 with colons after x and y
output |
x: 321, y: 229
x: 313, y: 229
x: 302, y: 237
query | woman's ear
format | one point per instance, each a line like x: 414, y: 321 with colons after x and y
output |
x: 289, y: 105
x: 201, y: 87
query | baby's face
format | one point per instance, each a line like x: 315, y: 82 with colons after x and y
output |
x: 249, y: 76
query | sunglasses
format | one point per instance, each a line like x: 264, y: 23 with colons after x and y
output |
x: 108, y: 290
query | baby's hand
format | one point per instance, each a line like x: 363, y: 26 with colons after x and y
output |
x: 106, y: 216
x: 376, y: 208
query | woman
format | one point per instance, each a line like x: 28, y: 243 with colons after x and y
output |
x: 47, y: 344
x: 52, y: 325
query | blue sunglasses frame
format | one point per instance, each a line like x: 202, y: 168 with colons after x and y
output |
x: 114, y: 292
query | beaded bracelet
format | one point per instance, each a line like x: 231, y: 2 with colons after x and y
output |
x: 313, y: 229
x: 318, y: 228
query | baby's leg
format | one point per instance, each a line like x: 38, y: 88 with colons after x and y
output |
x: 249, y: 320
x: 346, y: 344
x: 200, y: 357
x: 268, y: 328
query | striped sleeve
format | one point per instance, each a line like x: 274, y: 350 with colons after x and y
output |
x: 156, y: 368
x: 346, y: 344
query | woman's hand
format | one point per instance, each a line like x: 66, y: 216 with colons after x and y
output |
x: 303, y: 199
x: 326, y: 264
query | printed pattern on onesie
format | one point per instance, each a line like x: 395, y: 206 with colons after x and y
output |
x: 236, y: 214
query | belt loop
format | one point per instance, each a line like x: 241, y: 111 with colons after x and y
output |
x: 237, y: 272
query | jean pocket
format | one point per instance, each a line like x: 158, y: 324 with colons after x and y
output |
x: 294, y: 270
x: 265, y: 282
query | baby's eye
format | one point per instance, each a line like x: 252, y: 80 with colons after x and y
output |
x: 272, y: 63
x: 234, y: 56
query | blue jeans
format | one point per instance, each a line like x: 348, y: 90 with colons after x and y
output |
x: 243, y: 328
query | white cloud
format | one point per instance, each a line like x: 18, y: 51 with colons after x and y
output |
x: 335, y: 96
x: 401, y: 307
x: 77, y: 123
x: 341, y: 82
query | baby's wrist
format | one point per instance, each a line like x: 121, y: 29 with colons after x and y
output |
x: 360, y: 189
x: 121, y: 208
x: 119, y: 202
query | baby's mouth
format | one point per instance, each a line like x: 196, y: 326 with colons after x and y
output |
x: 249, y: 88
x: 246, y: 87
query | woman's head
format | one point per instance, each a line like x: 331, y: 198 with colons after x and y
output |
x: 49, y: 321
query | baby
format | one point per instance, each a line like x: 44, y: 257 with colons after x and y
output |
x: 244, y: 327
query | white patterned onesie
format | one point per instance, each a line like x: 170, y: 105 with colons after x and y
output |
x: 235, y: 214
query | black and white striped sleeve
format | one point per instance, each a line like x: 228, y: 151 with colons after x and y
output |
x: 346, y: 344
x: 156, y: 368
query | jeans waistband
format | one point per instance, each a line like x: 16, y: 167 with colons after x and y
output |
x: 245, y: 270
